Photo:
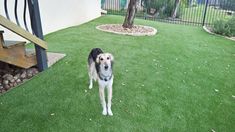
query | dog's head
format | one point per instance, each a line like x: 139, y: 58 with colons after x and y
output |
x: 105, y: 60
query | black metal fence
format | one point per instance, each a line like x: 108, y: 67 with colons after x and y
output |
x: 194, y: 12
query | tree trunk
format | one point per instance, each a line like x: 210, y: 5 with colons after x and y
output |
x: 177, y: 4
x: 130, y: 15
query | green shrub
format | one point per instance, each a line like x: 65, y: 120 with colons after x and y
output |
x: 164, y: 8
x: 220, y: 27
x: 225, y: 27
x: 231, y: 23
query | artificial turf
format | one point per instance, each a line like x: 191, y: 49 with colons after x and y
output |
x: 181, y: 79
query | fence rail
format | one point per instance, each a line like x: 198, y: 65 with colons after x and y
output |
x: 193, y: 12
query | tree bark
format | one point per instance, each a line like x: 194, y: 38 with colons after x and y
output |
x: 130, y: 15
x: 177, y: 4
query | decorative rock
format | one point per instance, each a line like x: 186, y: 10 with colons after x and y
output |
x: 12, y: 80
x: 7, y: 87
x: 14, y: 84
x: 18, y: 81
x: 30, y: 75
x: 17, y: 76
x: 11, y: 76
x: 29, y: 71
x: 5, y: 82
x: 11, y: 84
x: 23, y: 75
x: 8, y: 76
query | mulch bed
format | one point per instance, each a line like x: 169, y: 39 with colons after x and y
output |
x: 12, y: 76
x: 137, y: 30
x: 210, y: 30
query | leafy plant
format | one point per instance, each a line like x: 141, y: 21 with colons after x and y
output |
x: 225, y: 27
x: 231, y: 23
x: 160, y: 8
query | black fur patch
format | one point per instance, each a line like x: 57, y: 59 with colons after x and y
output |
x: 92, y: 57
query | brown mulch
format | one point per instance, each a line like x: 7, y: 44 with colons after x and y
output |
x: 137, y: 30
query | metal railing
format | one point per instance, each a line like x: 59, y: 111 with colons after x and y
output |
x: 16, y: 13
x: 35, y: 24
x: 193, y: 12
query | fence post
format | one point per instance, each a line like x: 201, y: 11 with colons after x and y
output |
x: 204, y: 15
x: 37, y: 30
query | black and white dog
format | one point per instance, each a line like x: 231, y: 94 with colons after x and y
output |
x: 100, y: 67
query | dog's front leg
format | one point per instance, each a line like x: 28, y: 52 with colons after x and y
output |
x: 110, y: 92
x: 102, y: 99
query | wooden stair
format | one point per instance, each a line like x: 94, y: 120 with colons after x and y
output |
x: 14, y: 52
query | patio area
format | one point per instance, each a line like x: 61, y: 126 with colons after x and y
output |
x: 181, y: 79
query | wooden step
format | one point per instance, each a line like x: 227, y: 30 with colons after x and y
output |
x: 18, y: 56
x: 9, y: 44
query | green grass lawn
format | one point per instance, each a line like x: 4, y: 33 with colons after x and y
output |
x: 166, y: 82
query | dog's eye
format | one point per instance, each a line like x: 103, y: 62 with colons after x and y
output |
x: 107, y: 58
x: 101, y: 59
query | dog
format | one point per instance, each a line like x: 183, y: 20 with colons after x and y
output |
x: 100, y: 68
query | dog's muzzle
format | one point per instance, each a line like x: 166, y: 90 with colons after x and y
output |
x: 106, y: 67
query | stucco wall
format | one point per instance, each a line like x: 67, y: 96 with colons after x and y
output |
x: 56, y: 14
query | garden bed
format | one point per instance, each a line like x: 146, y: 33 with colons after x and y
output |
x: 210, y: 31
x: 137, y: 30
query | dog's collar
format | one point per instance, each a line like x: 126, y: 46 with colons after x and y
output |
x: 106, y: 78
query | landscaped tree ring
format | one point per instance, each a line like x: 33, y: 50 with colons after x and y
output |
x: 137, y: 30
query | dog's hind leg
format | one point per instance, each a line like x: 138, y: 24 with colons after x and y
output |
x: 102, y: 100
x: 90, y: 79
x: 91, y: 83
x: 110, y: 93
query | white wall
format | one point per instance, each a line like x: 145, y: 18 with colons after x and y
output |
x: 55, y: 14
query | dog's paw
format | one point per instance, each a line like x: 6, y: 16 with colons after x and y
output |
x: 110, y: 112
x: 104, y: 112
x: 90, y: 86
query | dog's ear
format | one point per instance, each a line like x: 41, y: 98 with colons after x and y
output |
x: 98, y: 59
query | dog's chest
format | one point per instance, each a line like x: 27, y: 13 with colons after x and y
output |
x: 106, y: 83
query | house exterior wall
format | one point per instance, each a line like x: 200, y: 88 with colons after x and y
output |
x: 118, y: 4
x: 55, y: 14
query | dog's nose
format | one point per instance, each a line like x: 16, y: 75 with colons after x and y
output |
x: 106, y: 67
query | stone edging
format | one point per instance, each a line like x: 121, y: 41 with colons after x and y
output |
x: 208, y: 31
x: 131, y: 34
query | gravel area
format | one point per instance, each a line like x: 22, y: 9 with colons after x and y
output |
x: 137, y: 30
x: 11, y: 76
